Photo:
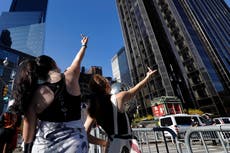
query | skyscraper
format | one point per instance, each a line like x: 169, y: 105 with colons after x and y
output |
x: 120, y: 68
x: 188, y: 42
x: 22, y: 32
x: 25, y: 22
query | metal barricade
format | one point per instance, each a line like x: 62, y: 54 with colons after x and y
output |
x: 217, y: 134
x: 150, y: 140
x: 99, y: 133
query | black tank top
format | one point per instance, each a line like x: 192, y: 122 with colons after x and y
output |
x: 65, y: 107
x: 105, y: 117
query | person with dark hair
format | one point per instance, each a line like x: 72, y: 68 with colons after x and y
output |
x: 11, y: 121
x: 108, y: 111
x: 51, y: 104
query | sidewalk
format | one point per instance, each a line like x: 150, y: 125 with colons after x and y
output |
x: 18, y: 150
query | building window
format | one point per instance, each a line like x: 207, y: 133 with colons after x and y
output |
x: 1, y: 71
x: 202, y: 93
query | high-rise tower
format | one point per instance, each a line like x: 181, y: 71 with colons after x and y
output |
x: 22, y: 33
x: 120, y: 68
x: 182, y: 39
x: 25, y: 23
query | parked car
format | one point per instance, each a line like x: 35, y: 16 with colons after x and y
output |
x: 222, y: 120
x: 179, y: 123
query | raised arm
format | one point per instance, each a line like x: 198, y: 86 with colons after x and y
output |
x: 72, y: 73
x: 124, y: 96
x: 76, y: 64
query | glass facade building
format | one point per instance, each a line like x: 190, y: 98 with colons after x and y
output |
x: 22, y: 34
x: 213, y: 18
x: 120, y: 68
x: 26, y: 23
x: 180, y: 39
x: 8, y: 71
x: 121, y: 74
x: 28, y: 39
x: 30, y: 6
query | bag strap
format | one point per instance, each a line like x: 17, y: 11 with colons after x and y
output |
x: 115, y: 121
x: 114, y: 101
x: 128, y: 124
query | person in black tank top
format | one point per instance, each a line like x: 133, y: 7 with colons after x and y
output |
x: 108, y: 111
x: 54, y: 112
x: 51, y: 104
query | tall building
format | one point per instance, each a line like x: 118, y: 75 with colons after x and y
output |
x: 95, y: 70
x: 85, y: 78
x: 9, y: 60
x: 188, y: 42
x: 121, y: 75
x: 25, y: 23
x: 22, y: 33
x: 120, y: 68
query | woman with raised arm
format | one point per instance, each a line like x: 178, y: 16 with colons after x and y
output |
x: 108, y: 112
x: 51, y: 104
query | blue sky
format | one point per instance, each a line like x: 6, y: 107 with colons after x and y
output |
x: 66, y: 20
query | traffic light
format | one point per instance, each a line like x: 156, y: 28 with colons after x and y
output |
x: 5, y: 90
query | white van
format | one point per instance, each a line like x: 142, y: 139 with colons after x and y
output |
x: 222, y: 120
x: 179, y: 123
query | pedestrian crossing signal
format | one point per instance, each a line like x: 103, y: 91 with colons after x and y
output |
x: 5, y: 90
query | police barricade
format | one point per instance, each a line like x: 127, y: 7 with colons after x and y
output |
x: 99, y: 133
x: 150, y: 140
x: 219, y: 135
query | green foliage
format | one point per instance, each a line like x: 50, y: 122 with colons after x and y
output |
x: 138, y: 119
x: 195, y: 111
x: 149, y: 117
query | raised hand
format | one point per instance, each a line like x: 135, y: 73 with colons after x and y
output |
x: 84, y: 40
x: 150, y: 72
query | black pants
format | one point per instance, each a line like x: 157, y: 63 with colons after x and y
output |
x: 6, y: 137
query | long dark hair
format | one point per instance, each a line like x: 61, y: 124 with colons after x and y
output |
x: 25, y: 84
x: 45, y: 64
x: 99, y: 87
x: 27, y: 76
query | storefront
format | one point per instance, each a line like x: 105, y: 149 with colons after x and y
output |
x: 166, y: 105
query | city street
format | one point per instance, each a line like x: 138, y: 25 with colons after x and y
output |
x: 197, y: 148
x: 153, y: 73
